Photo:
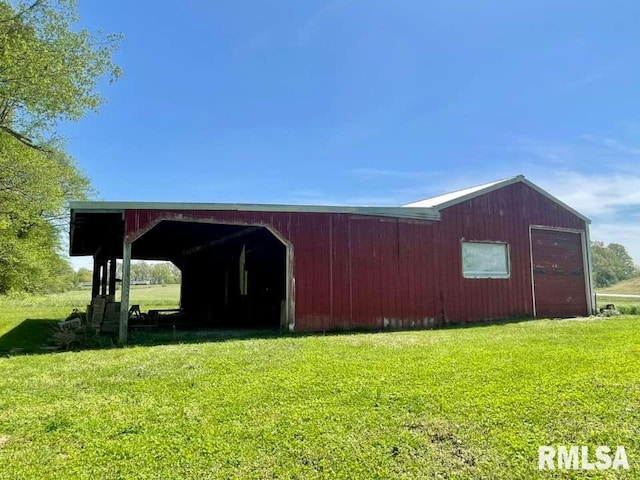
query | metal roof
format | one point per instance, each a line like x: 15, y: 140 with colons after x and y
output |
x: 419, y: 213
x: 446, y: 200
x: 427, y: 209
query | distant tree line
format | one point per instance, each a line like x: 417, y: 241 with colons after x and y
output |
x: 156, y: 273
x: 163, y: 273
x: 611, y: 264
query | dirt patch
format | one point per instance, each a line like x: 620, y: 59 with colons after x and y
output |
x: 4, y: 439
x: 447, y: 442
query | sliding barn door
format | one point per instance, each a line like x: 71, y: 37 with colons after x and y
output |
x: 559, y: 275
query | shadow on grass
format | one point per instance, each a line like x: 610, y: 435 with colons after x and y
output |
x: 33, y: 336
x: 489, y: 323
x: 27, y: 337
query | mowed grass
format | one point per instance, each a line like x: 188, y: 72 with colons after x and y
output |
x: 455, y: 403
x: 624, y: 305
x: 626, y: 287
x: 23, y: 319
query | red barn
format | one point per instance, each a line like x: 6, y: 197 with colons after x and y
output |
x: 499, y: 250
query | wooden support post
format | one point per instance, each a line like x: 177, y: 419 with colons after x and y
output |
x: 124, y: 297
x: 103, y: 280
x: 112, y: 276
x: 95, y: 281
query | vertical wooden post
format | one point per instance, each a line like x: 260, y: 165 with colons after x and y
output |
x: 103, y: 281
x: 124, y: 297
x: 112, y: 276
x: 95, y: 281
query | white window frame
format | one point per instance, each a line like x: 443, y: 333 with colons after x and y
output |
x: 485, y: 273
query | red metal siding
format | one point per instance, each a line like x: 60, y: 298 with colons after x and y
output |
x: 350, y: 271
x: 504, y: 215
x: 360, y: 271
x: 558, y: 273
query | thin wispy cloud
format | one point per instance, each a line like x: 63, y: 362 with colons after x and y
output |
x: 558, y: 153
x: 612, y: 143
x: 353, y: 133
x: 376, y: 121
x: 320, y: 16
x: 596, y: 194
x: 626, y: 235
x: 254, y: 43
x: 332, y: 199
x: 598, y: 175
x: 589, y: 79
x: 372, y: 173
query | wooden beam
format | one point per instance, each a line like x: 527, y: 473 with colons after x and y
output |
x: 221, y: 240
x: 95, y: 281
x: 112, y: 276
x: 124, y: 297
x: 103, y: 280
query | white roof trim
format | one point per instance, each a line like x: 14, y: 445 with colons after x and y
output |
x: 449, y: 199
x: 421, y: 213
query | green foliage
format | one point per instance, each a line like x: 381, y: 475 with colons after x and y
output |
x: 140, y: 271
x: 164, y: 273
x: 462, y: 403
x: 83, y: 275
x: 34, y: 188
x: 49, y: 71
x: 50, y: 68
x: 611, y: 264
x: 161, y: 273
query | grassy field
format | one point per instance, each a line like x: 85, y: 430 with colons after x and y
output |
x: 454, y: 403
x: 625, y: 305
x: 629, y: 287
x: 23, y: 319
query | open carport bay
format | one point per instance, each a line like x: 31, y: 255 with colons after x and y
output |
x: 233, y: 276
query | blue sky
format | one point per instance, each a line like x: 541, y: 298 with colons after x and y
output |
x: 369, y: 103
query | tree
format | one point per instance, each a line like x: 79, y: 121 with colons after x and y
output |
x: 140, y: 272
x: 34, y: 188
x: 49, y: 71
x: 83, y: 275
x: 156, y: 273
x: 165, y: 273
x: 624, y: 266
x: 611, y: 264
x: 176, y: 274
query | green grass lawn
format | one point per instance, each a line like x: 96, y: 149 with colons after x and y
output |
x: 23, y: 319
x: 453, y: 403
x: 624, y: 305
x: 626, y: 287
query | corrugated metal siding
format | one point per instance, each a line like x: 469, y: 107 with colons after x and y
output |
x: 503, y: 216
x: 359, y: 271
x: 350, y: 271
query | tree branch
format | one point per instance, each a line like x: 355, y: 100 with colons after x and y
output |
x: 25, y: 140
x: 30, y: 8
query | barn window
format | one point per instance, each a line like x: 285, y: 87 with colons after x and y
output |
x: 485, y: 260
